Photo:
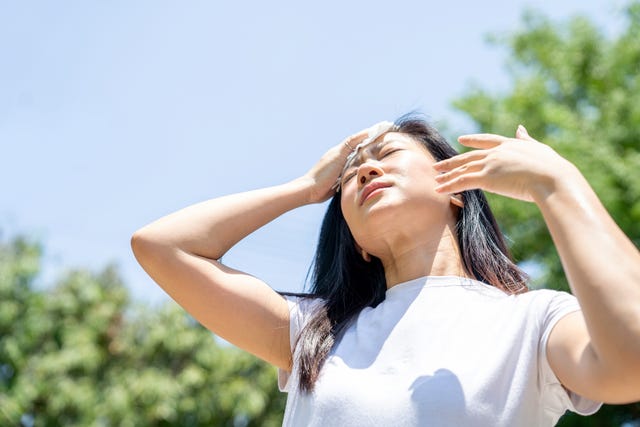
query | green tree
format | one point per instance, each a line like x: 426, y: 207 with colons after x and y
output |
x: 578, y: 91
x: 79, y: 353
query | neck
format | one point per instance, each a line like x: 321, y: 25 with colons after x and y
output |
x: 433, y: 256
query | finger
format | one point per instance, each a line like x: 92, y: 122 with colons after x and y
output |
x: 469, y: 181
x: 466, y: 168
x: 457, y: 161
x: 482, y: 140
x: 353, y: 140
x: 521, y: 133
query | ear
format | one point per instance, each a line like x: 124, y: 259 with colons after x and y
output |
x: 456, y: 199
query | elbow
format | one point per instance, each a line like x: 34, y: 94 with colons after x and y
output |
x: 149, y: 244
x: 137, y: 242
x: 143, y: 244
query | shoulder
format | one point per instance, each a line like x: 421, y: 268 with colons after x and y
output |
x: 548, y: 302
x: 540, y: 308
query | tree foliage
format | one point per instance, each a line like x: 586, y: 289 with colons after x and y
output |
x: 579, y: 91
x: 79, y: 353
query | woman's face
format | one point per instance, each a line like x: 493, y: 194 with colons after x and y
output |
x: 389, y: 188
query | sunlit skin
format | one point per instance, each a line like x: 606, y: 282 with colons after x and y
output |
x: 405, y: 222
x: 409, y: 225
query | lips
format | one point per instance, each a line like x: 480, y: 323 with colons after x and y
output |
x: 370, y: 188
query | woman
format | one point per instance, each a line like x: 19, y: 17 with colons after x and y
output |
x: 417, y: 316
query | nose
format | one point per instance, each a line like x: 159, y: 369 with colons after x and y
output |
x: 368, y: 171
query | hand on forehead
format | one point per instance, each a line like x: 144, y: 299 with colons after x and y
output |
x: 373, y: 133
x: 361, y: 140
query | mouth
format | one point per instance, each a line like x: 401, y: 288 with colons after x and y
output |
x: 371, y: 190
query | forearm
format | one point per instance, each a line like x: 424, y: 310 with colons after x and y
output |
x: 209, y: 229
x: 601, y: 264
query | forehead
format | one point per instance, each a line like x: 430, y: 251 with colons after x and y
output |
x: 394, y: 138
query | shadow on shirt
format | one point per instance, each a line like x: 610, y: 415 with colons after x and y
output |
x: 438, y: 397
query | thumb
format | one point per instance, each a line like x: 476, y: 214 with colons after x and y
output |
x: 521, y: 133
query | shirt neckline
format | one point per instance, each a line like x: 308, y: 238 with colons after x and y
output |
x: 427, y: 281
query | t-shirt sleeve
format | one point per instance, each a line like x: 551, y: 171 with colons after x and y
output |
x: 300, y: 309
x: 555, y: 396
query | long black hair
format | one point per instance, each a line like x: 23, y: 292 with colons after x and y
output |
x: 347, y: 284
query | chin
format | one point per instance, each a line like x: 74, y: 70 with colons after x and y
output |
x: 395, y: 214
x: 382, y: 206
x: 381, y: 215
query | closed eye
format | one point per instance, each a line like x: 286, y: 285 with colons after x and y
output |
x: 389, y: 152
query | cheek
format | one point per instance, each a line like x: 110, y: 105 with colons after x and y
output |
x: 346, y: 195
x: 350, y: 210
x: 423, y: 169
x: 417, y: 176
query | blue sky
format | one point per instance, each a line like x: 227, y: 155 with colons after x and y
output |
x: 115, y: 113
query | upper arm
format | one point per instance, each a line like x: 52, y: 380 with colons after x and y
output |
x: 575, y: 362
x: 235, y: 306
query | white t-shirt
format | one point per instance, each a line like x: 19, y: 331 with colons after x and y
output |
x: 438, y: 351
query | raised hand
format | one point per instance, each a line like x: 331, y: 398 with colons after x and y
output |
x: 521, y: 167
x: 324, y: 174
